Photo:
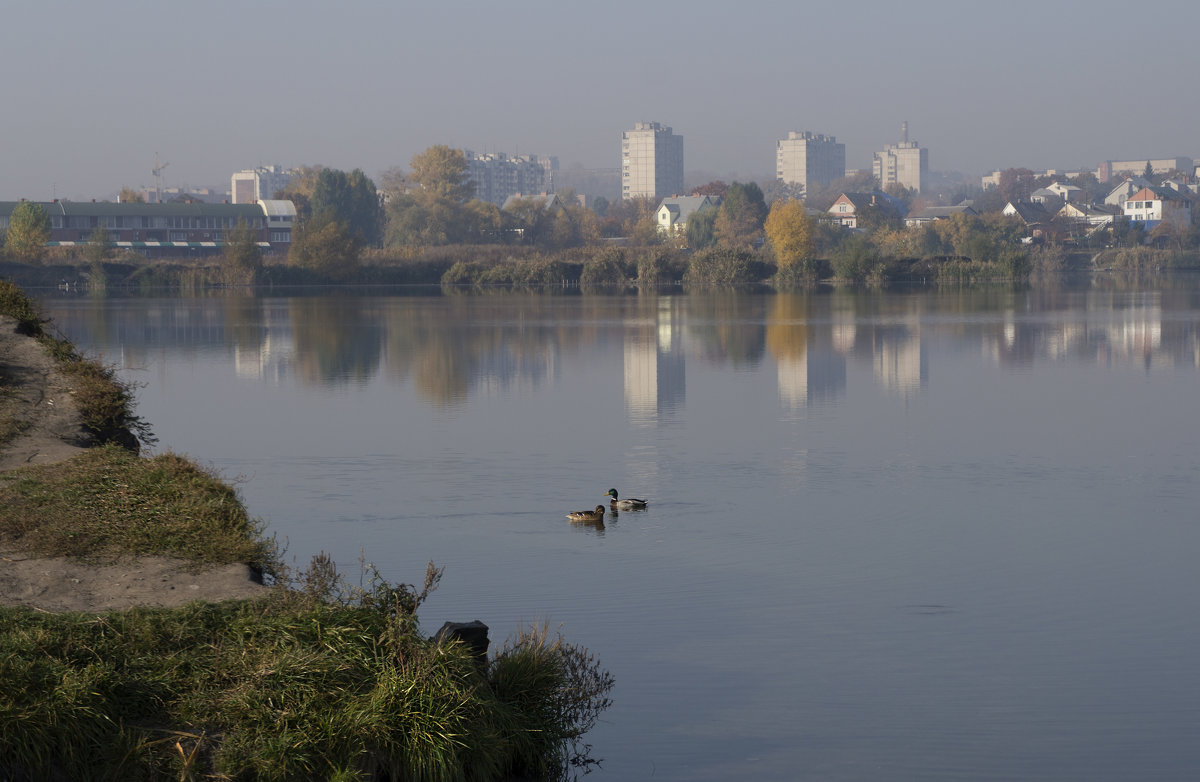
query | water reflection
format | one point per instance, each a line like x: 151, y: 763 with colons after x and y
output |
x: 810, y: 363
x: 655, y: 374
x: 1003, y: 568
x: 450, y: 348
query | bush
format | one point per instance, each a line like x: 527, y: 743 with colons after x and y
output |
x: 607, y: 268
x: 722, y: 266
x: 319, y: 681
x: 855, y: 259
x: 653, y: 267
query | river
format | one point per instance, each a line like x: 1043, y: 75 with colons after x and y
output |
x: 925, y: 533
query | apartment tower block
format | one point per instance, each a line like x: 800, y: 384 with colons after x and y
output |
x: 905, y: 163
x: 806, y: 160
x: 651, y: 162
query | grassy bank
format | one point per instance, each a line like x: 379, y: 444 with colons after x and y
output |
x: 300, y: 685
x: 105, y: 403
x: 318, y: 679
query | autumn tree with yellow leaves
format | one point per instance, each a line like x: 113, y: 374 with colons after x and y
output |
x: 790, y: 232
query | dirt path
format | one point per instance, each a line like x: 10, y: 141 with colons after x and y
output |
x: 36, y: 396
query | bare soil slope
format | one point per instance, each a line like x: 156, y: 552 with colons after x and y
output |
x: 35, y: 397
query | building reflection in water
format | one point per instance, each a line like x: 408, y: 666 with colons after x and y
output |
x: 655, y: 368
x: 815, y: 377
x: 901, y: 363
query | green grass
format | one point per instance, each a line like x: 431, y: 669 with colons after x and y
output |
x: 283, y: 688
x: 10, y: 425
x: 105, y: 402
x: 318, y: 679
x: 106, y: 501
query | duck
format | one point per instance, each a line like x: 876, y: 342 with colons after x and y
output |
x: 587, y: 515
x: 629, y: 503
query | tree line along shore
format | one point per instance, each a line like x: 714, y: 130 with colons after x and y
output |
x: 316, y: 678
x: 426, y: 226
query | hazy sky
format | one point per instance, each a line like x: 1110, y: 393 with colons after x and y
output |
x: 92, y: 91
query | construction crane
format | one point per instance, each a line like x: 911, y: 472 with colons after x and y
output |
x: 158, y: 169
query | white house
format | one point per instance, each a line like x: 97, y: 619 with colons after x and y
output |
x: 1119, y: 194
x: 846, y: 208
x: 1180, y: 187
x: 1153, y: 205
x: 1046, y: 197
x: 673, y: 213
x: 549, y: 202
x: 1067, y: 193
x: 1092, y: 215
x: 933, y: 213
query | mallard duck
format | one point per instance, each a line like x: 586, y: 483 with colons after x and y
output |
x: 587, y: 515
x: 629, y: 503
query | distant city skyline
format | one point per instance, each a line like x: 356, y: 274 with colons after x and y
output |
x: 369, y: 84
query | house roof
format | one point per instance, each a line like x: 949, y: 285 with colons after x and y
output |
x: 873, y: 197
x: 545, y: 200
x: 1086, y: 210
x: 683, y: 207
x: 1028, y: 211
x: 1157, y: 194
x: 131, y: 208
x: 1135, y: 183
x: 942, y: 212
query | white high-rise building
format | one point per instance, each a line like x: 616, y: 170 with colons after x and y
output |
x: 651, y: 162
x: 905, y: 163
x: 806, y: 160
x: 498, y: 176
x: 259, y: 184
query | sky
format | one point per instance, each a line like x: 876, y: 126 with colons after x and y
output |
x: 93, y: 91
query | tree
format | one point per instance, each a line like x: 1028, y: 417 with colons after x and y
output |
x: 242, y: 261
x: 856, y: 259
x: 1148, y: 172
x: 300, y: 189
x: 740, y: 220
x: 130, y: 196
x: 1095, y: 189
x: 28, y: 232
x: 415, y: 220
x: 442, y: 172
x: 1016, y: 184
x: 393, y: 181
x: 714, y: 188
x: 628, y: 212
x: 645, y: 232
x: 482, y: 222
x: 97, y: 249
x: 789, y: 230
x: 700, y: 231
x: 352, y: 200
x: 903, y: 195
x: 325, y: 245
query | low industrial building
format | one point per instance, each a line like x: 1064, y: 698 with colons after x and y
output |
x: 164, y: 230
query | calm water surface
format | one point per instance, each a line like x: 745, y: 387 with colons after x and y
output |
x: 905, y: 535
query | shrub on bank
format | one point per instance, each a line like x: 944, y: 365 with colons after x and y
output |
x: 724, y: 266
x: 320, y: 683
x: 604, y: 269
